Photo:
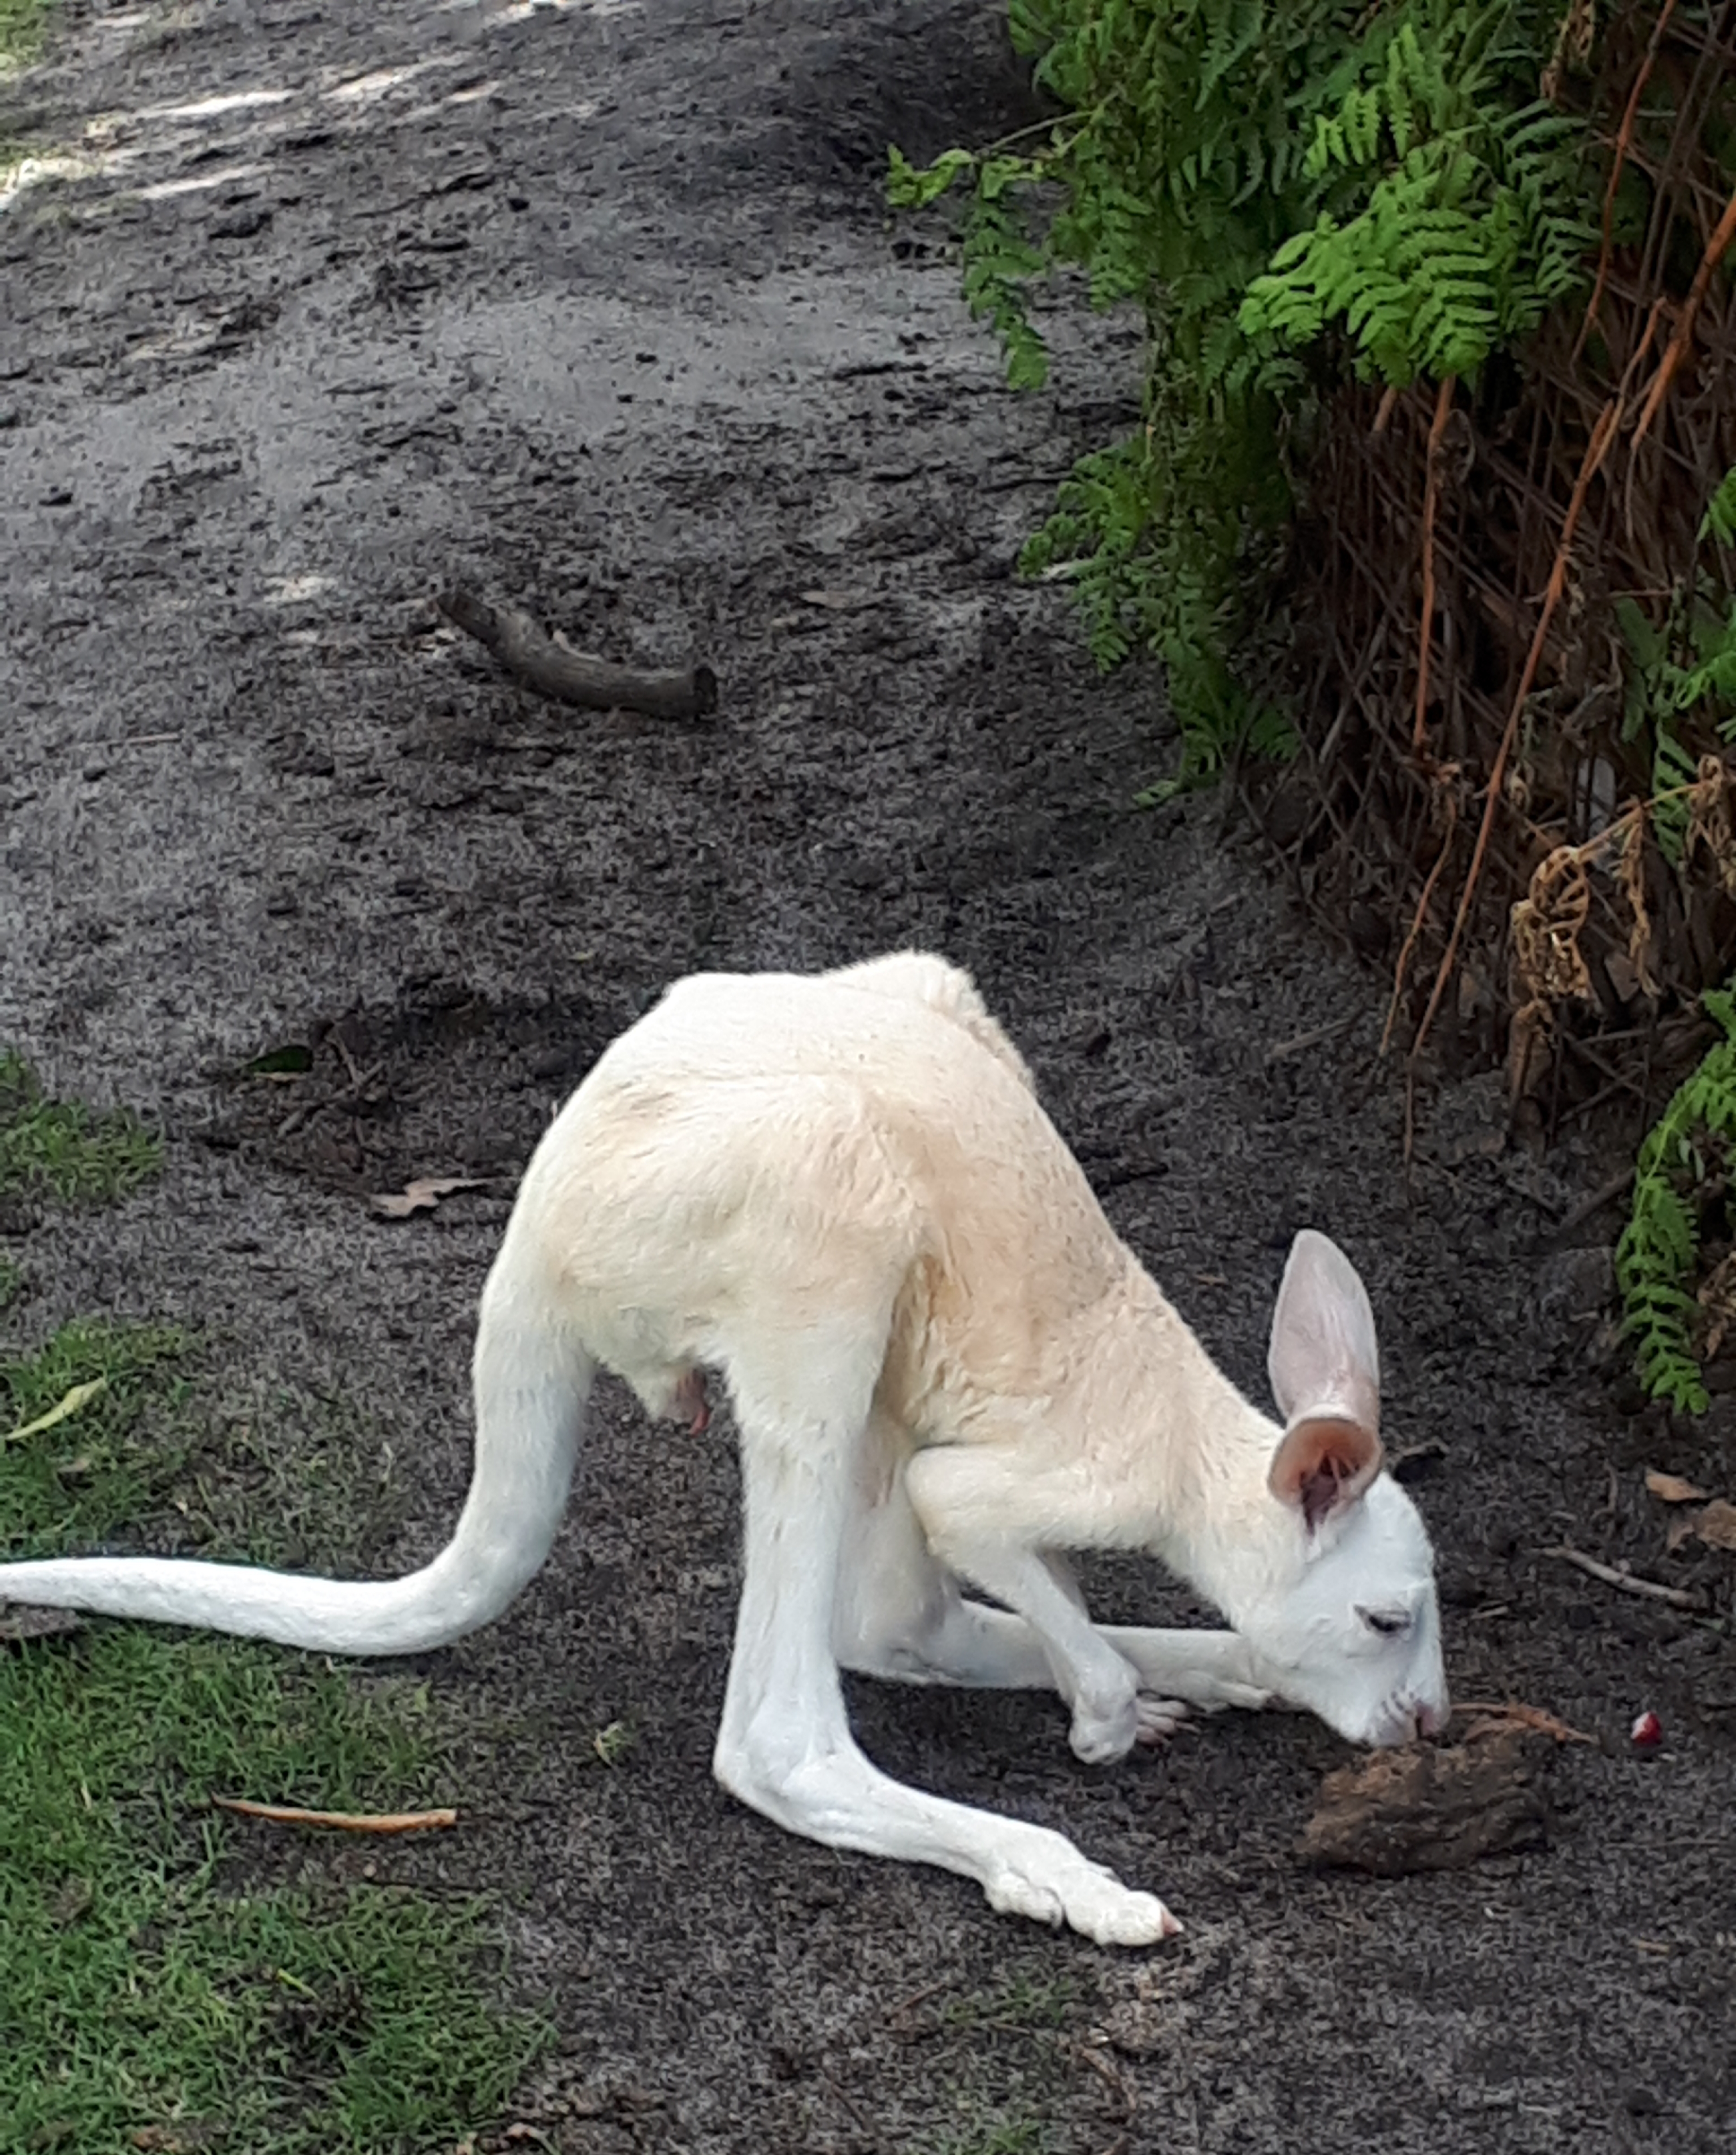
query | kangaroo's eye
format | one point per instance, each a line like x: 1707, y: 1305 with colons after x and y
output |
x: 1388, y: 1623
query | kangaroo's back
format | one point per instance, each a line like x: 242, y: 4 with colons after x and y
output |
x: 771, y: 1149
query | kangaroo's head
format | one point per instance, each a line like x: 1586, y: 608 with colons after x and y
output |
x: 1345, y: 1617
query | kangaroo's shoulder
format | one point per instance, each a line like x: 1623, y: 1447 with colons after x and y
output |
x: 921, y: 977
x: 908, y: 1008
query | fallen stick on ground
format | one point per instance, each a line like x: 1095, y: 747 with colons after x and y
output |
x: 1527, y: 1717
x: 550, y: 669
x: 1678, y: 1597
x: 347, y: 1821
x: 1615, y: 1188
x: 345, y: 1095
x: 1316, y: 1037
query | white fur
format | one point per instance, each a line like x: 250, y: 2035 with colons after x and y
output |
x: 946, y: 1370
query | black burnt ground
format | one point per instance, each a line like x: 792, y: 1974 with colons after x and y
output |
x: 598, y: 311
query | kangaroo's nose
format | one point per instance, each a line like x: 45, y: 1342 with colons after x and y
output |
x: 1430, y: 1720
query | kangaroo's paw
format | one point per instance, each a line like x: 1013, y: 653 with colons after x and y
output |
x: 1083, y: 1895
x: 1103, y: 1733
x: 1159, y: 1718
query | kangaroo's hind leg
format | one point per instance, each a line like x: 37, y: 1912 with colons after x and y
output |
x: 785, y: 1746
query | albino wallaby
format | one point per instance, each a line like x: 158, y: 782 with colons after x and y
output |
x: 946, y: 1371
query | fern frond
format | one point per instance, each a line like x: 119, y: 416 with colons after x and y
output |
x: 1658, y: 1255
x: 1292, y: 194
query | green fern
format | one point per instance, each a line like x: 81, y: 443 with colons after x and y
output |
x: 1293, y: 192
x: 1719, y: 521
x: 1657, y: 1257
x: 1000, y: 263
x: 1681, y: 676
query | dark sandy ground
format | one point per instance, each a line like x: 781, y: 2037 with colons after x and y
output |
x: 596, y: 304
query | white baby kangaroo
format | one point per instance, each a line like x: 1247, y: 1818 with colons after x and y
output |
x: 840, y: 1192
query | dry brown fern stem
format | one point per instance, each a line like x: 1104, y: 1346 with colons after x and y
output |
x: 1602, y: 435
x: 1494, y: 674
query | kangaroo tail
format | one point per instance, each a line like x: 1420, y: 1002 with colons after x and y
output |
x: 532, y: 1378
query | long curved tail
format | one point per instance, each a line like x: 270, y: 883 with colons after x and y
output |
x: 532, y: 1378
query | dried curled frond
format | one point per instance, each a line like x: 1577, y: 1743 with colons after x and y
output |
x: 1709, y: 819
x: 1547, y: 923
x: 1530, y: 1037
x: 1573, y: 46
x: 1716, y: 1298
x: 1631, y: 882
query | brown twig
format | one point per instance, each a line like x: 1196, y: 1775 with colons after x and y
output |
x: 1624, y: 143
x: 347, y: 1821
x: 1588, y: 1207
x: 1110, y: 2075
x: 1417, y: 919
x: 1317, y: 1036
x: 548, y: 668
x: 868, y: 2132
x: 1602, y: 435
x: 352, y: 1091
x: 1649, y: 1589
x: 920, y: 1997
x: 1431, y: 496
x: 1677, y: 349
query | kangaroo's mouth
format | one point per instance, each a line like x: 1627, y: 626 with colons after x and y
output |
x: 1406, y: 1720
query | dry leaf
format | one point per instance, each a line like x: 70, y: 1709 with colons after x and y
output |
x: 1673, y: 1488
x: 1717, y: 1524
x: 17, y: 1622
x: 281, y: 1066
x: 838, y: 601
x: 81, y: 1395
x: 421, y: 1196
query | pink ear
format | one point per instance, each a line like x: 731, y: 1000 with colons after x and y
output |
x: 1324, y: 1362
x: 1322, y: 1467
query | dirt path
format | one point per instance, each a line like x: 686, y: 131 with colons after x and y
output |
x: 595, y: 305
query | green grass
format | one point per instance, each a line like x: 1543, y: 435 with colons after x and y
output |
x: 20, y: 30
x: 159, y: 1986
x: 1003, y: 2135
x: 59, y: 1148
x: 1002, y: 2057
x: 70, y: 1488
x: 1019, y: 2005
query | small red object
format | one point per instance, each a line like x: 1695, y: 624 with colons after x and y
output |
x: 1647, y: 1732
